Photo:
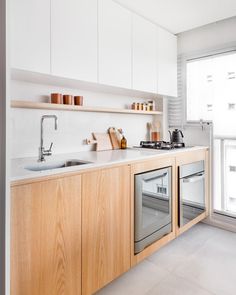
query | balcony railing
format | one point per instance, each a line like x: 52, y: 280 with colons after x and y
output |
x: 224, y: 170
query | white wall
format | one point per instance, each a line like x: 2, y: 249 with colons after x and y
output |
x: 212, y: 36
x: 74, y: 127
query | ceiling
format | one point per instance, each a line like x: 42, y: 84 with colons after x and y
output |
x: 182, y: 15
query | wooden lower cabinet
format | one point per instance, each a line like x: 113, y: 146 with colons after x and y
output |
x: 174, y: 162
x: 46, y: 237
x: 73, y: 235
x: 106, y: 232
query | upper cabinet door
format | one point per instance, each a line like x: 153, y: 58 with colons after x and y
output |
x: 144, y: 55
x: 115, y: 44
x: 167, y: 63
x: 30, y: 35
x: 74, y: 39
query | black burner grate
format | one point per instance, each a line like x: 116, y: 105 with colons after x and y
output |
x: 161, y: 145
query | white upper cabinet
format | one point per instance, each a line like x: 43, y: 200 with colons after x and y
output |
x: 74, y: 39
x: 115, y: 44
x: 93, y: 40
x: 30, y: 35
x: 167, y: 63
x: 144, y: 55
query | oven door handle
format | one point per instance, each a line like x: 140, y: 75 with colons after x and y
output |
x: 155, y: 177
x: 195, y: 178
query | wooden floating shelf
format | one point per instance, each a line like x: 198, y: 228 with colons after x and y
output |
x: 62, y: 107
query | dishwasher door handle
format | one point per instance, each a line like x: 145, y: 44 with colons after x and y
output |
x: 195, y: 178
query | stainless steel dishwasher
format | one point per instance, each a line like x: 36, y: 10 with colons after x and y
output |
x: 153, y: 207
x: 191, y: 191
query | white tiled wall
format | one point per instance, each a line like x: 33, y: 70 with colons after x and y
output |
x: 73, y: 127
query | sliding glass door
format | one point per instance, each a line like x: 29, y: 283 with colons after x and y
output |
x: 211, y: 96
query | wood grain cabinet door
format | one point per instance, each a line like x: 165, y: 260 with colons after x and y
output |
x: 46, y: 237
x: 105, y: 227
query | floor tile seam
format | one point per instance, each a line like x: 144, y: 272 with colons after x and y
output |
x: 194, y: 283
x: 156, y: 265
x: 157, y: 284
x: 190, y: 256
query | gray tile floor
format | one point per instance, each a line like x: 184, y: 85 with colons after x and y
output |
x: 202, y: 261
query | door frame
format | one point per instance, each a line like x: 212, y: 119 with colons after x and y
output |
x: 3, y: 146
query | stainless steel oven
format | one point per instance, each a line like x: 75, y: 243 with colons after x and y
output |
x: 153, y: 207
x: 191, y: 191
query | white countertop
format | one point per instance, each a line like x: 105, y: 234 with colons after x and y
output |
x: 97, y: 159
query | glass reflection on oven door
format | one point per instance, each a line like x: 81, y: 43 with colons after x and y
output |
x: 192, y: 197
x: 152, y: 207
x: 156, y: 202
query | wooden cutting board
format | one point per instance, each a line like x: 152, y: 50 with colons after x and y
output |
x: 103, y: 141
x: 114, y: 136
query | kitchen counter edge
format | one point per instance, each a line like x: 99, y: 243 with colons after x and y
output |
x: 58, y: 173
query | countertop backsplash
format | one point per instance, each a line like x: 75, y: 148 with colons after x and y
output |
x: 73, y: 127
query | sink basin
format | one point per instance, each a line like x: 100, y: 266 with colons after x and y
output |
x: 55, y: 165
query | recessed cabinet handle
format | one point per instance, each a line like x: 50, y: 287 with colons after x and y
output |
x: 194, y: 178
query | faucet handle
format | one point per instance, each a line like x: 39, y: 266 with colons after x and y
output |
x: 50, y: 149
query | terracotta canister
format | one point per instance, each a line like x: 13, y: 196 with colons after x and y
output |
x: 155, y: 136
x: 67, y: 99
x: 78, y: 100
x: 56, y: 98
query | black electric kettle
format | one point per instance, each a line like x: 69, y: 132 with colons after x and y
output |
x: 176, y: 136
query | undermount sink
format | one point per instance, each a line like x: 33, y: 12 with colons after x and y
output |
x: 55, y: 165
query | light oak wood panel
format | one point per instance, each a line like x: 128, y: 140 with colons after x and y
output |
x: 135, y: 259
x: 191, y: 223
x: 76, y: 108
x: 46, y: 238
x: 105, y: 227
x: 190, y: 157
x: 144, y: 167
x: 148, y: 165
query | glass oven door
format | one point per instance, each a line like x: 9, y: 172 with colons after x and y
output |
x: 152, y: 203
x: 191, y: 192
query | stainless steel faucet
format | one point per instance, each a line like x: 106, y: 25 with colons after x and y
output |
x: 42, y: 151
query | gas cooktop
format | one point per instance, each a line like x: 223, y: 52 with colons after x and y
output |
x: 161, y: 145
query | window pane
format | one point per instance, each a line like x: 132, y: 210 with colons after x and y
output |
x: 211, y: 89
x: 211, y: 95
x: 200, y: 90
